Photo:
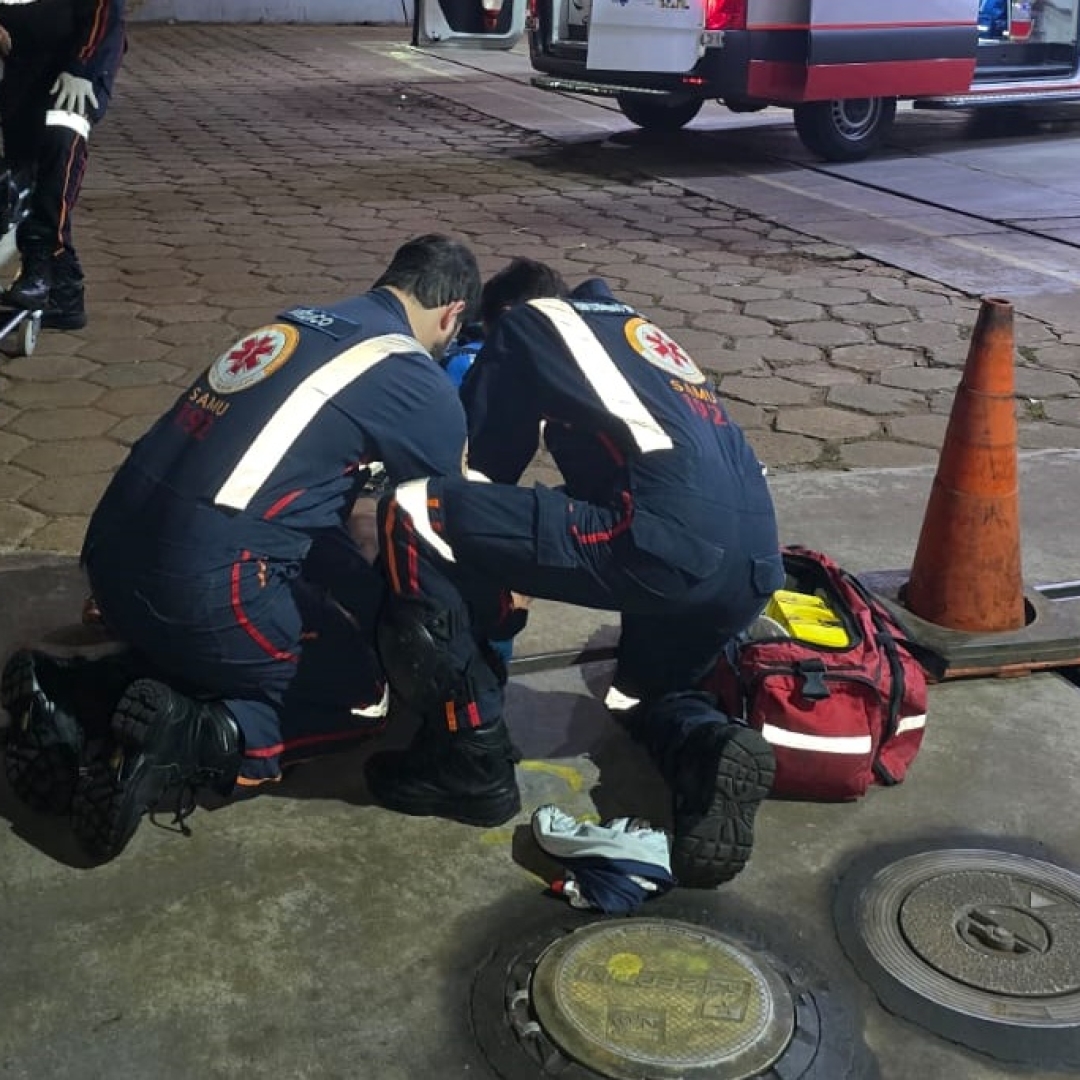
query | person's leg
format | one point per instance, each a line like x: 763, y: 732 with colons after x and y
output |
x: 719, y: 771
x: 451, y: 550
x: 58, y: 705
x: 24, y: 102
x: 59, y: 170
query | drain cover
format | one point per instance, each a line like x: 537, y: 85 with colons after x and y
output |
x: 652, y: 999
x: 658, y: 998
x: 982, y: 947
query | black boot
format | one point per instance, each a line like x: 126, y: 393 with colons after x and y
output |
x: 30, y: 290
x: 66, y: 307
x: 162, y: 741
x: 723, y: 773
x: 57, y: 706
x: 466, y: 776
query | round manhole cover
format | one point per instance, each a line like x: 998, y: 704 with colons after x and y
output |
x: 652, y: 998
x: 980, y: 946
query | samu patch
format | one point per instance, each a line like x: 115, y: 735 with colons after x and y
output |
x: 253, y: 358
x: 661, y: 351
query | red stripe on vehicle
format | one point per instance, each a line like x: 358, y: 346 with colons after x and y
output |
x: 893, y: 78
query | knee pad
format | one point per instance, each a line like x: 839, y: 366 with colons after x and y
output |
x: 413, y: 642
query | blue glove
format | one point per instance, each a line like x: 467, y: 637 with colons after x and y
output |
x: 612, y: 868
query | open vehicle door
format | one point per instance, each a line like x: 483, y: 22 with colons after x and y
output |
x: 477, y: 24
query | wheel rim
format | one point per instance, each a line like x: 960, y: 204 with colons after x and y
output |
x: 855, y: 118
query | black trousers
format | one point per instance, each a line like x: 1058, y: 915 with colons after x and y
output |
x: 48, y: 147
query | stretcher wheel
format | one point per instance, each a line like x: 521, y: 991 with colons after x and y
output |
x: 26, y: 341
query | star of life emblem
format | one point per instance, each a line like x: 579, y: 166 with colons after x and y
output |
x: 661, y: 351
x: 253, y: 358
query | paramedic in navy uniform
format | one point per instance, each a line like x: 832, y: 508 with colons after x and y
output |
x: 57, y: 83
x: 220, y: 549
x: 665, y: 517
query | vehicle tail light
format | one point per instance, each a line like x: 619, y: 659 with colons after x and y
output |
x: 492, y: 11
x: 725, y: 14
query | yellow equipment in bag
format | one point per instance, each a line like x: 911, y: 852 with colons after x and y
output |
x: 808, y: 618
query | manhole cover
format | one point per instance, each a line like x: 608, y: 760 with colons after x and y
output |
x: 654, y: 999
x: 658, y: 998
x: 982, y: 947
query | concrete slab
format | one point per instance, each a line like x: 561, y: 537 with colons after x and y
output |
x: 307, y: 933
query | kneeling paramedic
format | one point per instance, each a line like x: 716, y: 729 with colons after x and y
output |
x: 665, y: 517
x: 221, y: 553
x: 57, y: 82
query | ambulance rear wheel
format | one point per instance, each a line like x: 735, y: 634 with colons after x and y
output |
x: 845, y: 130
x: 659, y: 112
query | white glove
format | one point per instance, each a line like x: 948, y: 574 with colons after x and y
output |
x: 73, y: 93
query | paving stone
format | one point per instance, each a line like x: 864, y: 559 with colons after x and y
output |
x: 926, y: 430
x: 778, y: 449
x: 875, y: 400
x: 16, y: 524
x: 79, y: 457
x: 817, y: 376
x: 912, y: 332
x: 826, y: 423
x: 1066, y: 411
x: 1040, y: 436
x: 64, y: 495
x: 920, y: 378
x: 872, y: 357
x: 734, y: 326
x: 869, y: 314
x: 784, y: 311
x: 827, y: 333
x: 1033, y: 383
x: 1058, y: 357
x: 765, y: 391
x: 55, y: 395
x: 130, y: 400
x: 885, y: 454
x: 829, y: 295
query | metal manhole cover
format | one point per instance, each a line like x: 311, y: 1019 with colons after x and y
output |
x: 651, y: 998
x: 982, y: 947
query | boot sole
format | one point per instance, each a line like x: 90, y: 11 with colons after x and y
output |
x: 483, y: 813
x: 41, y: 769
x: 106, y: 811
x: 717, y: 847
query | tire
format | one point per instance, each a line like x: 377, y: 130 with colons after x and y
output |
x: 848, y: 129
x: 659, y: 112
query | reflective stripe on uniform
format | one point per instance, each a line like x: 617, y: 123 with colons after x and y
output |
x: 299, y: 409
x: 413, y: 499
x: 604, y: 376
x: 63, y: 118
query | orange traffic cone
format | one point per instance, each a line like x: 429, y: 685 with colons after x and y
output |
x: 967, y: 574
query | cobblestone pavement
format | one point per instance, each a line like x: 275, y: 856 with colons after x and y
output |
x: 242, y: 169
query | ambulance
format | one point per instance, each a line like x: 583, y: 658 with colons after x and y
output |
x: 840, y: 65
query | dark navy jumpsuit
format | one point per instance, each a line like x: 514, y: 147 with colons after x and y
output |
x: 84, y: 38
x: 665, y: 515
x: 219, y: 549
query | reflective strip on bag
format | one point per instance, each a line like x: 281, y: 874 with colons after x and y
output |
x: 911, y: 723
x: 820, y: 744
